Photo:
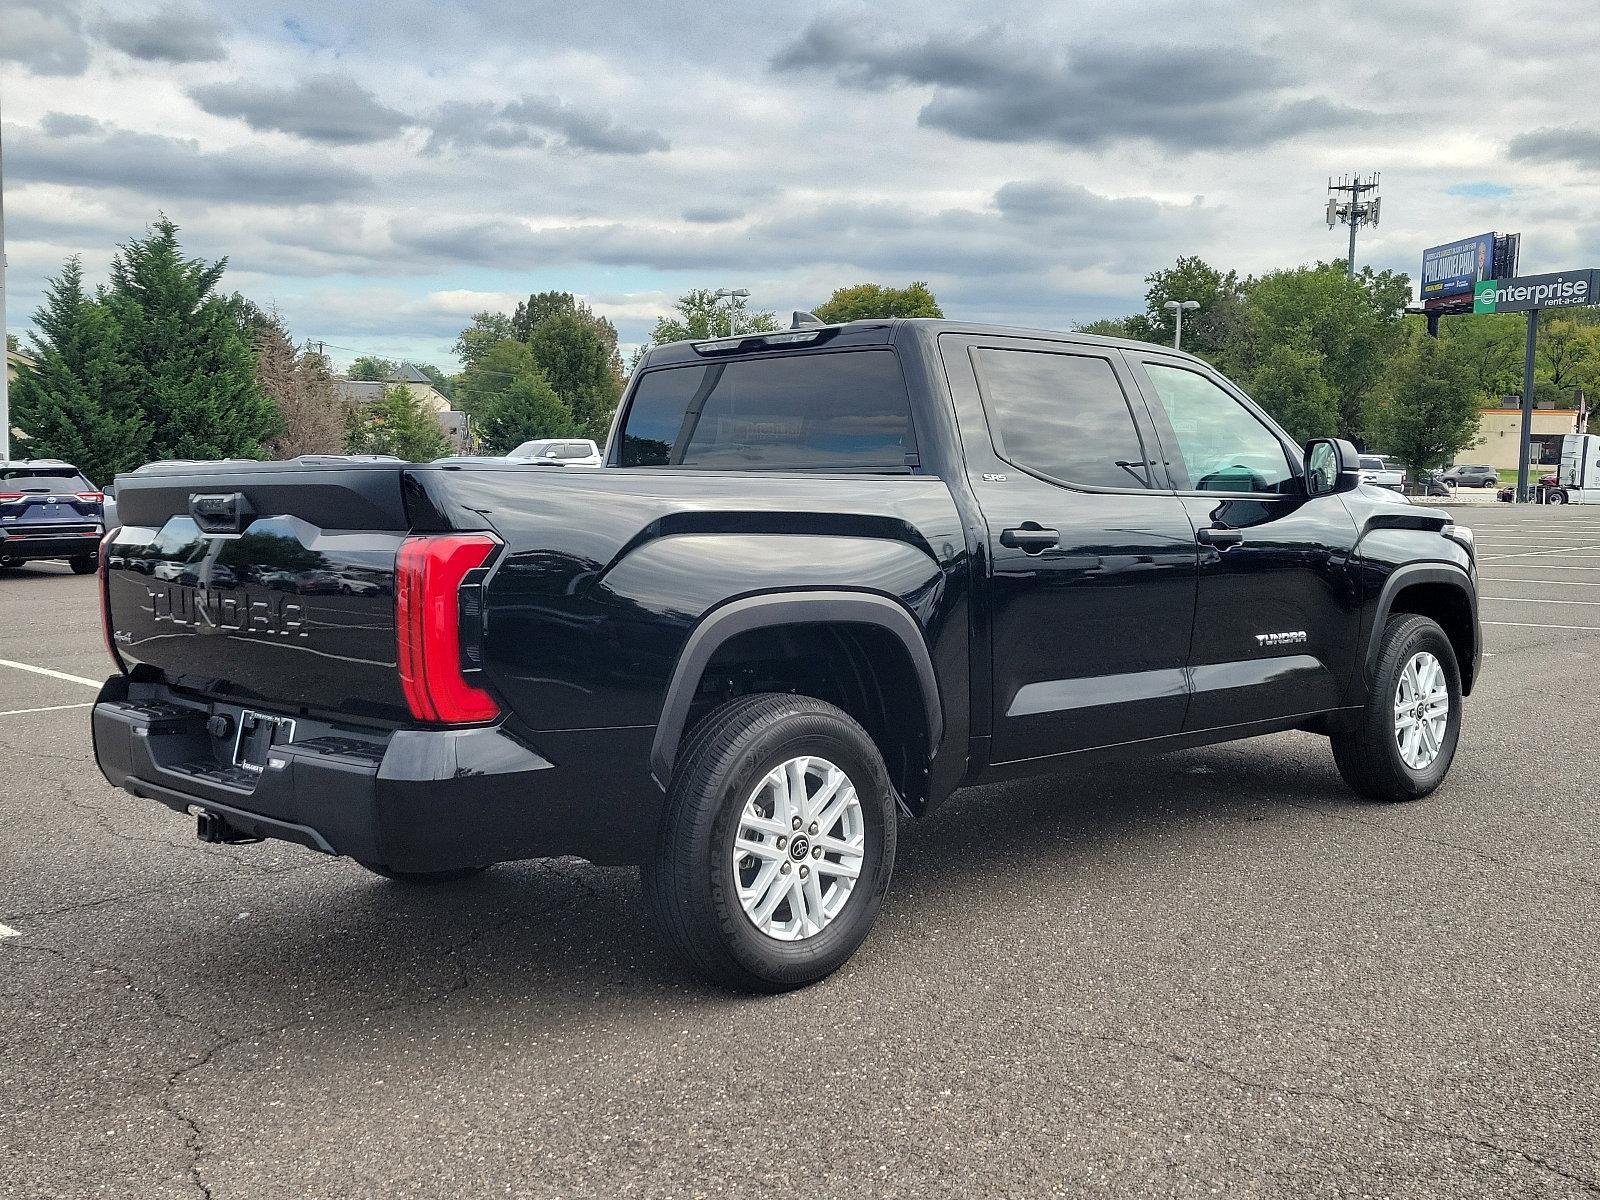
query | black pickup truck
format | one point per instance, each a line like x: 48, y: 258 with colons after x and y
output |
x: 825, y: 578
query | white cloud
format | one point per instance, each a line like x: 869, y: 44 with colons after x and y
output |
x: 1032, y: 167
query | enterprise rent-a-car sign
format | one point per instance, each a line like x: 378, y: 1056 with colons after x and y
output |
x: 1453, y: 269
x: 1564, y: 289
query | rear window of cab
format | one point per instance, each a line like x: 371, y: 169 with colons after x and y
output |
x: 832, y: 411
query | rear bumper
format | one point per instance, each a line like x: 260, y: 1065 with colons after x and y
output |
x: 409, y: 800
x: 22, y: 545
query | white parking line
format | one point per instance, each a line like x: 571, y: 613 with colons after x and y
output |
x: 94, y: 683
x: 1538, y: 625
x: 1541, y: 582
x: 1544, y: 553
x: 6, y: 931
x: 22, y: 712
x: 1506, y: 600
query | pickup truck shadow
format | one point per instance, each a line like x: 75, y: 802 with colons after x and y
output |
x: 547, y: 944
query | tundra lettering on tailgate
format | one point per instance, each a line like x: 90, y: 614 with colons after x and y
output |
x: 268, y: 615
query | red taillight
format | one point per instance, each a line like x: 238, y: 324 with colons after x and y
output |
x: 10, y: 496
x: 92, y: 497
x: 105, y: 601
x: 429, y: 572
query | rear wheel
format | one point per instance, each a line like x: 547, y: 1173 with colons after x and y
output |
x: 1407, y: 738
x: 777, y: 845
x: 423, y: 878
x: 84, y: 564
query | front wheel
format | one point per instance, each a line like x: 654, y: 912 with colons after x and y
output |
x: 1556, y: 498
x: 777, y: 845
x: 1407, y: 738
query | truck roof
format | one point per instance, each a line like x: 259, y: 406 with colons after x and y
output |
x: 883, y: 332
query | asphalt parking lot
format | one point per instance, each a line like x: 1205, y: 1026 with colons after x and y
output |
x: 1216, y: 972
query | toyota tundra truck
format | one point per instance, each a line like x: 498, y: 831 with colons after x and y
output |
x: 826, y: 577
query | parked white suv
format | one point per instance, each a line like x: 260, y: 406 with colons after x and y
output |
x: 569, y: 452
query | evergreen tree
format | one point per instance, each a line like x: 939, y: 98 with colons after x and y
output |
x: 72, y: 403
x: 182, y: 353
x: 397, y: 424
x: 529, y: 408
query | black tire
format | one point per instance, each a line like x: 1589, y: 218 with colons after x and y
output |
x: 84, y: 564
x: 1369, y: 757
x: 423, y: 878
x: 689, y: 884
x: 1556, y: 497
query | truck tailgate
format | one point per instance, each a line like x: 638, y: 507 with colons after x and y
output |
x: 263, y: 583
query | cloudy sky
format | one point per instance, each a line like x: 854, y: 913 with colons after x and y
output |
x: 379, y: 171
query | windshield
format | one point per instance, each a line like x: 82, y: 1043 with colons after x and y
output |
x: 1372, y: 464
x: 544, y: 448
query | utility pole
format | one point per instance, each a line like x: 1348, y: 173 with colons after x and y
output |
x: 1353, y: 211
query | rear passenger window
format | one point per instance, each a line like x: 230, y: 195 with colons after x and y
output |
x: 1062, y: 415
x: 840, y: 411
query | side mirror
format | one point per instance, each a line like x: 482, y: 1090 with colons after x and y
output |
x: 1332, y: 465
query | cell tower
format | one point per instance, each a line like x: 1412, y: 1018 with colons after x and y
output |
x: 1345, y: 204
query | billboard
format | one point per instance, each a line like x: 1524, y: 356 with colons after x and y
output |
x: 1453, y: 269
x: 1564, y: 289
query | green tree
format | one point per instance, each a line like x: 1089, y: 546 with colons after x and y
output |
x: 698, y: 314
x: 183, y: 355
x: 1425, y: 409
x: 72, y: 403
x: 495, y: 369
x: 577, y: 351
x: 1353, y: 323
x: 1206, y: 329
x: 372, y: 368
x: 1490, y: 346
x: 1133, y: 328
x: 871, y: 300
x: 397, y: 424
x: 1567, y: 357
x: 528, y: 408
x: 1291, y: 385
x: 477, y: 339
x: 11, y: 343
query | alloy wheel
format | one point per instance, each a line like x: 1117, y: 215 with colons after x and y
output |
x: 1421, y: 711
x: 799, y: 848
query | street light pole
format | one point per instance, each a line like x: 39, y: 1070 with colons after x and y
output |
x: 733, y: 297
x: 1177, y: 308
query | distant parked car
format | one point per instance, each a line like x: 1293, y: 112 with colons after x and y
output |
x: 1434, y: 484
x: 1376, y: 469
x: 569, y: 452
x: 1473, y: 475
x: 49, y: 510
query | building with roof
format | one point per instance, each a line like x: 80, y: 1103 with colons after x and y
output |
x: 359, y: 393
x: 1500, y: 434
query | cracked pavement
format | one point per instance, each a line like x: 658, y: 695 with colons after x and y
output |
x: 1212, y: 972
